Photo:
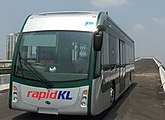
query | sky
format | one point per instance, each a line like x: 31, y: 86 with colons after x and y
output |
x: 142, y: 20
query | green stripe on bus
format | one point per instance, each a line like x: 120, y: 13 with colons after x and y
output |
x: 55, y: 84
x: 13, y: 63
x: 90, y: 83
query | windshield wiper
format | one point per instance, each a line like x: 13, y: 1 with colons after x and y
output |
x: 48, y: 83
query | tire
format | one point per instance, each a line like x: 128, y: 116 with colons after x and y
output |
x: 130, y: 80
x: 112, y: 93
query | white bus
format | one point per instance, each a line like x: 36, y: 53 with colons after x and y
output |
x: 75, y: 63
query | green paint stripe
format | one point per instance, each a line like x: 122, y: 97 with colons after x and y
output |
x: 90, y: 82
x: 13, y: 63
x: 56, y: 84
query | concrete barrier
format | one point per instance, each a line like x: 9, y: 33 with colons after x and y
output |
x: 4, y: 81
x: 162, y: 76
x: 4, y: 78
x: 4, y: 87
x: 161, y: 72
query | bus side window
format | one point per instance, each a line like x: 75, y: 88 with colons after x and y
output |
x: 98, y: 64
x: 105, y: 50
x: 112, y: 52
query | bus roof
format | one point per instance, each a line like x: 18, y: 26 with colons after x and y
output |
x: 78, y: 21
x: 69, y: 13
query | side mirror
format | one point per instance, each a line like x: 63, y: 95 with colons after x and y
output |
x: 98, y: 40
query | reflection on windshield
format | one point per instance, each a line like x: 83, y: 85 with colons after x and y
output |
x: 58, y: 56
x: 36, y: 74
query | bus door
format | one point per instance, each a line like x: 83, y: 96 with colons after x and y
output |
x: 122, y: 65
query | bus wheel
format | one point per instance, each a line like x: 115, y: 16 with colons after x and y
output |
x: 112, y: 94
x: 130, y: 80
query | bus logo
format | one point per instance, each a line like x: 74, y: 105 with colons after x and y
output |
x: 89, y: 23
x: 64, y: 95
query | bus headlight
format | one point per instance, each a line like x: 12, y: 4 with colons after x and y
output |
x: 84, y: 98
x: 15, y: 96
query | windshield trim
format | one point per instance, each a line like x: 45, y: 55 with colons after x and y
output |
x: 63, y: 81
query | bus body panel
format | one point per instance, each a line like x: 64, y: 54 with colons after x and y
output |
x: 52, y: 101
x: 100, y: 100
x: 100, y: 97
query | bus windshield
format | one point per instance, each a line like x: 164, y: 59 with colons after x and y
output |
x: 56, y: 55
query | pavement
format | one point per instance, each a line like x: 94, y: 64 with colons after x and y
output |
x: 144, y: 102
x: 141, y: 101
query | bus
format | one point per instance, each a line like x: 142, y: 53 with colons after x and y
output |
x: 70, y: 63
